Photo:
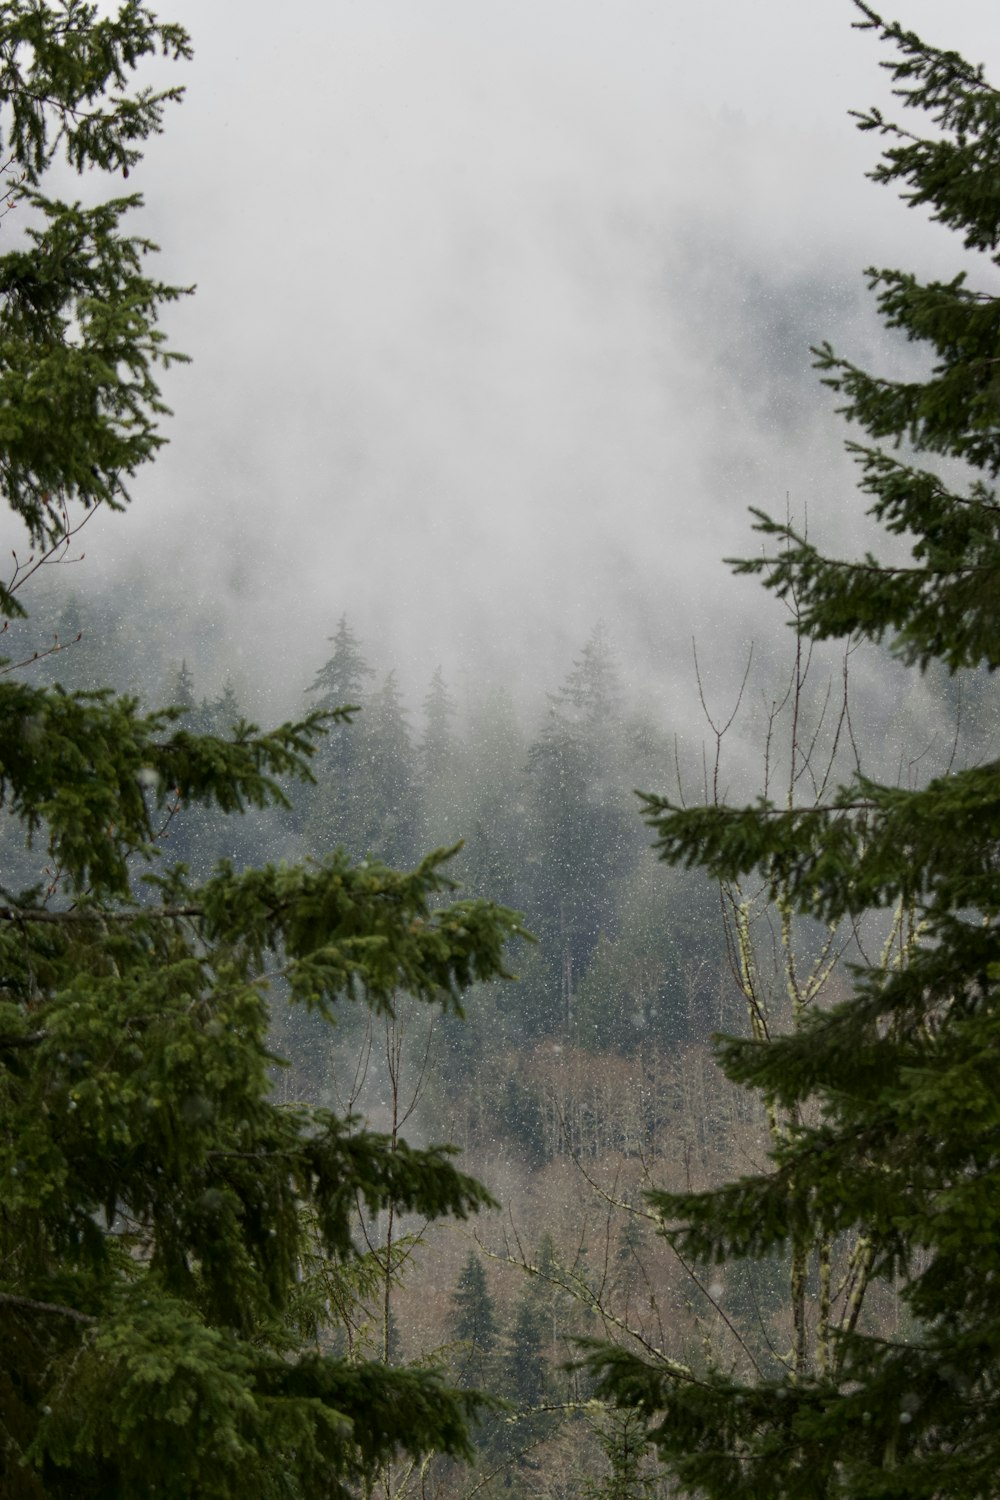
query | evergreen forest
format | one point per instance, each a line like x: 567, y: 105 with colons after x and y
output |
x: 452, y: 1092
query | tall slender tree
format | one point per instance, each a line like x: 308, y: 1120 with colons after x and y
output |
x: 582, y: 817
x: 474, y: 1323
x: 525, y: 1379
x: 385, y: 792
x: 892, y: 1093
x: 181, y: 691
x: 443, y: 809
x: 327, y: 814
x: 169, y: 1233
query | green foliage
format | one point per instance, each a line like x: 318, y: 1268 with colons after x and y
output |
x: 438, y: 780
x: 331, y: 812
x: 384, y: 791
x: 891, y: 1094
x: 340, y: 680
x: 437, y: 750
x: 474, y: 1325
x: 622, y: 1439
x: 497, y: 833
x: 580, y: 805
x: 174, y: 1243
x: 367, y: 802
x: 524, y: 1379
x: 90, y: 775
x: 653, y: 983
x: 78, y: 335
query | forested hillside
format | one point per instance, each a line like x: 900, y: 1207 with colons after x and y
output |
x: 591, y: 1079
x: 530, y: 1083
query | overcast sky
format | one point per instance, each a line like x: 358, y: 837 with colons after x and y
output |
x: 502, y: 320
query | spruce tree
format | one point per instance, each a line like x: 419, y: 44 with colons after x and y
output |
x: 497, y: 832
x: 582, y: 819
x: 223, y: 713
x: 525, y: 1378
x: 444, y: 814
x: 385, y: 785
x: 340, y: 680
x: 473, y: 1323
x: 622, y: 1439
x: 337, y: 809
x: 892, y: 1098
x: 181, y: 691
x: 437, y: 749
x: 172, y: 1240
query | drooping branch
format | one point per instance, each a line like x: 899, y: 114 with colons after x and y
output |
x: 58, y: 1309
x: 84, y: 915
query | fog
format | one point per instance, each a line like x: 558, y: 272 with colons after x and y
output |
x: 502, y: 321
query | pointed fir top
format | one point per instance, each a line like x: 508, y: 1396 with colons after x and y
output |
x: 340, y: 680
x: 957, y: 177
x: 593, y: 685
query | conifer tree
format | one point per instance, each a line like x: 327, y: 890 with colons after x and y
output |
x: 443, y: 816
x: 181, y: 691
x: 340, y: 680
x: 437, y: 749
x: 338, y: 683
x: 336, y: 811
x: 385, y: 789
x: 582, y: 817
x: 892, y: 1094
x: 622, y: 1440
x: 223, y: 713
x: 474, y: 1324
x: 496, y: 852
x: 525, y: 1378
x: 171, y: 1239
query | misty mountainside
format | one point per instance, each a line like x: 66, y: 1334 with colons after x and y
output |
x: 545, y: 812
x: 558, y: 1060
x: 630, y: 955
x: 590, y: 1081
